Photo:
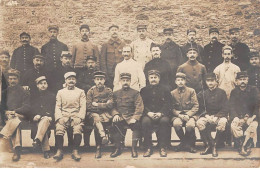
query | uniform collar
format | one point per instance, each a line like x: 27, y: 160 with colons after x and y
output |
x: 181, y: 90
x: 192, y: 63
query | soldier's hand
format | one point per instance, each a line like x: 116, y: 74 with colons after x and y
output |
x: 132, y: 121
x: 94, y: 104
x: 181, y: 116
x: 150, y: 114
x: 116, y: 118
x: 49, y: 118
x: 186, y: 118
x: 19, y: 116
x: 27, y: 88
x: 158, y: 115
x: 36, y: 118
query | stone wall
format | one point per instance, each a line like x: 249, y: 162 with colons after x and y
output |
x: 34, y: 16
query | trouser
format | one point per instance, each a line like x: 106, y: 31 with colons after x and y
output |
x: 118, y: 132
x: 163, y: 131
x: 42, y: 133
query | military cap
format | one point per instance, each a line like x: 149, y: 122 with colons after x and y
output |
x: 211, y: 30
x: 25, y: 34
x: 69, y: 74
x: 233, y: 30
x: 191, y: 30
x: 99, y: 74
x: 241, y: 74
x: 156, y: 72
x: 41, y: 78
x: 180, y: 75
x: 55, y: 27
x: 5, y: 52
x: 84, y: 26
x: 116, y: 26
x: 39, y: 56
x: 66, y: 54
x: 210, y: 76
x: 125, y: 75
x: 141, y: 27
x: 254, y: 54
x: 168, y: 30
x: 192, y: 48
x: 13, y: 72
x: 92, y: 58
x: 226, y: 47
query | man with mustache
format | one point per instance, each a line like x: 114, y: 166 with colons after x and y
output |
x: 213, y: 114
x: 141, y: 46
x: 111, y: 54
x: 157, y: 113
x: 52, y: 49
x: 240, y: 50
x: 227, y: 71
x: 83, y: 48
x: 212, y: 51
x: 129, y: 65
x: 127, y: 111
x: 22, y: 58
x: 16, y: 108
x: 194, y: 70
x: 99, y: 106
x: 70, y: 111
x: 244, y: 113
x: 159, y: 64
x: 191, y: 34
x: 254, y: 69
x: 185, y: 107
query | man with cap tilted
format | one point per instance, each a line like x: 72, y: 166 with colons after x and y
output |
x: 129, y: 65
x: 185, y: 107
x: 244, y: 113
x: 99, y: 106
x: 253, y: 70
x: 240, y: 50
x: 227, y: 71
x: 191, y: 34
x: 111, y: 54
x: 194, y: 70
x: 22, y: 58
x: 157, y: 112
x: 213, y: 112
x: 16, y: 108
x: 127, y: 111
x: 141, y: 46
x: 42, y: 109
x: 212, y: 51
x: 52, y: 49
x: 83, y: 48
x: 70, y: 111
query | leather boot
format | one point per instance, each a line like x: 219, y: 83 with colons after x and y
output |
x: 188, y: 137
x: 134, y: 149
x: 17, y: 154
x: 59, y: 142
x: 163, y: 152
x: 217, y: 139
x: 148, y: 152
x: 116, y: 153
x: 75, y: 155
x: 59, y: 155
x: 204, y: 137
x: 46, y: 154
x: 98, y: 152
x: 181, y: 146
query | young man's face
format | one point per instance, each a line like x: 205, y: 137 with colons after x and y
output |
x: 53, y: 34
x: 180, y: 82
x: 99, y: 81
x: 84, y: 32
x: 254, y: 61
x: 242, y: 82
x: 142, y: 33
x: 126, y: 53
x: 25, y: 39
x: 65, y: 61
x: 156, y: 52
x: 211, y: 83
x: 125, y: 82
x: 42, y: 85
x: 4, y: 60
x: 192, y: 55
x: 13, y: 80
x: 214, y: 36
x: 38, y: 63
x: 114, y: 32
x: 227, y: 55
x: 191, y: 36
x: 91, y: 64
x: 71, y: 81
x: 154, y: 79
x: 234, y: 36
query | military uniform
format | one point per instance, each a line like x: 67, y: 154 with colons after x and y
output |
x: 254, y: 72
x: 189, y: 45
x: 85, y: 78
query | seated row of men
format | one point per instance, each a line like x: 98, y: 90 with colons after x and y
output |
x: 154, y: 108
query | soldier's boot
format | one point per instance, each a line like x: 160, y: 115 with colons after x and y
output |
x: 77, y: 140
x: 181, y: 146
x: 36, y: 143
x: 220, y: 143
x: 75, y: 155
x: 59, y: 155
x: 46, y: 154
x: 98, y: 152
x: 17, y: 154
x: 214, y: 148
x: 205, y: 139
x: 116, y: 152
x: 240, y: 142
x: 163, y: 152
x: 134, y: 149
x: 148, y: 152
x: 70, y: 138
x: 101, y: 132
x: 86, y: 137
x: 188, y: 138
x: 59, y: 143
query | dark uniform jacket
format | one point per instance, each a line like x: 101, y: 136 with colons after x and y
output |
x: 213, y: 102
x: 128, y: 104
x: 157, y: 99
x: 254, y: 76
x: 52, y: 51
x: 188, y: 45
x: 22, y: 58
x: 85, y: 78
x: 212, y: 55
x: 164, y: 68
x: 241, y: 55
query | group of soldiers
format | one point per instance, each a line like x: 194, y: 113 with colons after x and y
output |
x: 142, y: 86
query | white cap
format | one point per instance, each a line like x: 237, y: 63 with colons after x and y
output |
x: 68, y: 74
x: 40, y: 79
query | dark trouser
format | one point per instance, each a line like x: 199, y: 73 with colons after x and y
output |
x: 118, y: 132
x: 164, y: 129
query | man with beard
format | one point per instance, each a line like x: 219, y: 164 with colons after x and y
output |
x: 159, y: 64
x: 83, y: 48
x: 16, y: 107
x: 191, y: 34
x: 244, y: 113
x: 129, y: 65
x: 240, y: 50
x: 70, y: 111
x: 213, y: 111
x: 157, y: 113
x: 128, y: 109
x: 254, y: 70
x: 52, y: 49
x: 111, y: 54
x: 99, y: 106
x: 227, y: 71
x: 23, y: 56
x: 141, y: 46
x: 171, y: 52
x: 212, y: 51
x: 42, y: 107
